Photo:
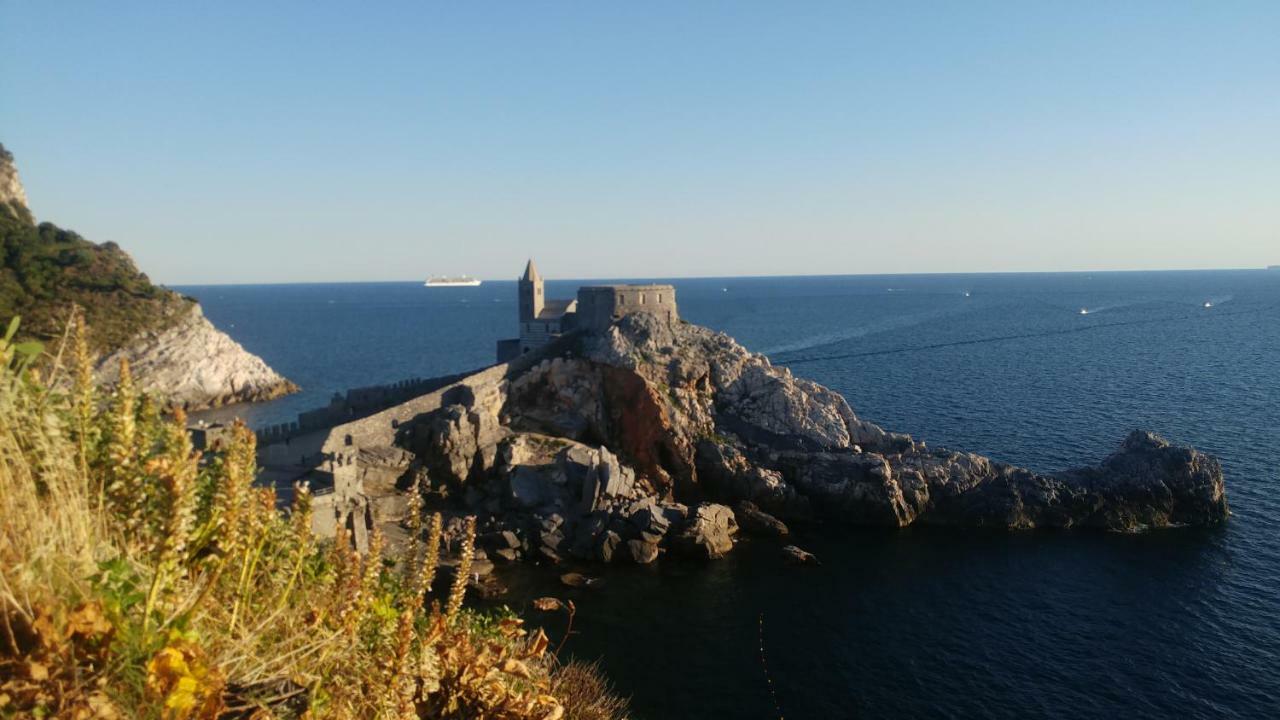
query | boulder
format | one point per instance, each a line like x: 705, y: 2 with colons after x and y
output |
x: 729, y: 474
x: 708, y: 533
x: 608, y: 546
x: 602, y: 478
x: 649, y: 519
x: 530, y: 488
x: 460, y: 441
x: 390, y: 508
x: 755, y: 521
x: 642, y: 552
x: 793, y: 555
x: 506, y: 539
x: 1149, y: 482
x: 506, y: 554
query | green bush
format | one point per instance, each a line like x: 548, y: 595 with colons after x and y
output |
x: 46, y: 269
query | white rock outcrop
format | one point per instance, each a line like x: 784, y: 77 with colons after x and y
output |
x: 10, y: 186
x: 195, y: 365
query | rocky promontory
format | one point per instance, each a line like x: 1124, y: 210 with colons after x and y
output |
x: 664, y: 437
x: 175, y: 352
x: 196, y: 365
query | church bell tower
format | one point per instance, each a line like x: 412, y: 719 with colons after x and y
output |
x: 531, y: 297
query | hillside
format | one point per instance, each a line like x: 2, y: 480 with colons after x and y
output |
x: 47, y: 268
x: 176, y: 351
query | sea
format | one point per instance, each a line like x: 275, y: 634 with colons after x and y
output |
x: 1049, y: 371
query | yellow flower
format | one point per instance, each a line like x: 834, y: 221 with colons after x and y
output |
x: 189, y: 689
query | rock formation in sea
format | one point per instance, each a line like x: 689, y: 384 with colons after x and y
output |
x: 640, y: 441
x: 174, y: 351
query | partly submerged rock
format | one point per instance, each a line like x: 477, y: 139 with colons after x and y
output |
x: 755, y: 521
x: 793, y: 555
x: 709, y: 532
x: 1148, y: 483
x: 578, y: 580
x: 642, y: 552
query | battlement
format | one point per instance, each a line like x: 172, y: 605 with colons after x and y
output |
x: 356, y: 403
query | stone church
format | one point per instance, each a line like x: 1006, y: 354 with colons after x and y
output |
x: 594, y: 310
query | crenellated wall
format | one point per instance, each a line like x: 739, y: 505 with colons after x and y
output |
x: 353, y: 405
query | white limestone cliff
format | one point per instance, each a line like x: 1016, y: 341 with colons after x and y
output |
x: 11, y: 189
x: 195, y: 365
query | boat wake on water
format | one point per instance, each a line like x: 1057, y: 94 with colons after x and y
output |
x: 1020, y: 336
x: 1095, y: 309
x: 835, y: 338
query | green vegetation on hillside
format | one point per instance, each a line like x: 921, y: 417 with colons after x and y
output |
x: 45, y: 269
x: 139, y: 579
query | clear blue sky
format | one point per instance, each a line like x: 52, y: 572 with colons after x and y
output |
x: 273, y: 141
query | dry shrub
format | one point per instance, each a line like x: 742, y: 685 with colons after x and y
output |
x: 139, y: 579
x: 586, y: 693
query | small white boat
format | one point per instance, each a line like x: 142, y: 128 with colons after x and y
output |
x: 1084, y: 311
x: 1208, y: 304
x: 966, y: 294
x: 445, y: 281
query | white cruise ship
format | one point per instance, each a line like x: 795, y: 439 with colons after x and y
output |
x: 445, y: 281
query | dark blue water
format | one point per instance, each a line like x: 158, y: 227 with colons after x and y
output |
x: 916, y: 623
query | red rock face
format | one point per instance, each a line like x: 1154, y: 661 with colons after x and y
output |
x: 641, y: 431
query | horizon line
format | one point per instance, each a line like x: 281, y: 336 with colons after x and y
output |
x: 1263, y: 268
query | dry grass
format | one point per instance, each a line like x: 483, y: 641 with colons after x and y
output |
x: 585, y: 692
x: 140, y: 580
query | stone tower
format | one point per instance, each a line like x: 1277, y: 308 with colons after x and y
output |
x: 531, y: 298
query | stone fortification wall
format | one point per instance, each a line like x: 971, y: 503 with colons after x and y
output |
x: 379, y: 429
x: 600, y: 306
x: 508, y: 349
x: 354, y: 404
